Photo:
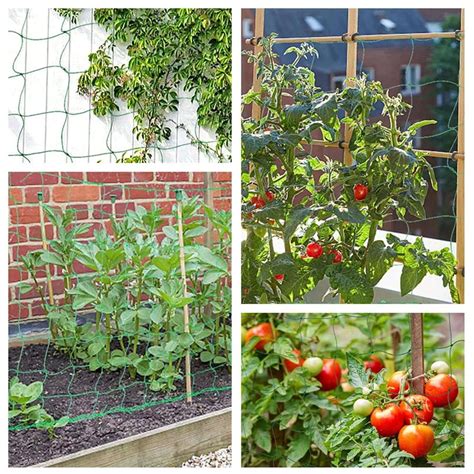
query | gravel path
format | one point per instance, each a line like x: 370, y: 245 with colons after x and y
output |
x: 221, y: 458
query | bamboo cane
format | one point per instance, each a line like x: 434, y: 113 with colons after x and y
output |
x: 45, y: 247
x: 347, y: 38
x: 47, y: 269
x: 256, y: 83
x: 179, y: 202
x: 460, y: 173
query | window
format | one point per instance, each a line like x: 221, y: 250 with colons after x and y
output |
x: 313, y: 23
x: 337, y: 82
x: 247, y: 28
x: 410, y: 79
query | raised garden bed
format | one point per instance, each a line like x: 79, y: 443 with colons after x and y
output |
x: 95, y: 396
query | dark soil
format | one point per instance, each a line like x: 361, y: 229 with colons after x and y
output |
x: 96, y: 392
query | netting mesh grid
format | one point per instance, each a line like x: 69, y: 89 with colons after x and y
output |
x: 50, y: 122
x: 44, y: 351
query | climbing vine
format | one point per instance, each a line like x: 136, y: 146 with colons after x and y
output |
x: 167, y: 48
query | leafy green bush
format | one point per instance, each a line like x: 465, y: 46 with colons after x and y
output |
x: 304, y: 200
x: 166, y: 48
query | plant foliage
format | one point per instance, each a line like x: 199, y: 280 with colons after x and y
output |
x: 303, y: 198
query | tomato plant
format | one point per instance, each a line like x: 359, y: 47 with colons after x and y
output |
x: 309, y: 400
x: 316, y: 199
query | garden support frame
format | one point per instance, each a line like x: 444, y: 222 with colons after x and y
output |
x: 351, y: 37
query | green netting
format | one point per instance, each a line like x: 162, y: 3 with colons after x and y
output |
x: 288, y: 420
x: 112, y: 336
x: 49, y: 103
x: 438, y: 219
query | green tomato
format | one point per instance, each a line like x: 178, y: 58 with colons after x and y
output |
x: 363, y: 407
x: 440, y: 367
x: 313, y: 365
x: 243, y: 332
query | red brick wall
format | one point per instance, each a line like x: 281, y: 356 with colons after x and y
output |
x: 89, y: 193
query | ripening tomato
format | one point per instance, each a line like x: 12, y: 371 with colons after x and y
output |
x: 393, y: 384
x: 330, y: 375
x: 258, y: 201
x: 363, y: 407
x: 337, y: 258
x: 442, y: 390
x: 440, y: 367
x: 375, y: 364
x: 417, y: 408
x: 416, y: 440
x: 279, y: 277
x: 313, y: 365
x: 360, y: 192
x: 264, y: 332
x: 314, y: 250
x: 290, y: 365
x: 387, y: 421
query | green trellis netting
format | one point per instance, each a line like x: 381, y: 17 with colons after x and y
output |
x: 289, y: 420
x: 51, y: 122
x: 145, y: 349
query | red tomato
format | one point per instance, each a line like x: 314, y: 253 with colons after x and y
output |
x: 360, y: 192
x: 417, y: 408
x: 441, y: 389
x: 314, y: 250
x: 387, y: 421
x: 279, y: 277
x: 264, y: 332
x: 337, y: 255
x: 416, y: 440
x: 270, y: 195
x: 393, y: 384
x: 375, y: 364
x: 330, y: 375
x: 258, y: 201
x: 290, y: 365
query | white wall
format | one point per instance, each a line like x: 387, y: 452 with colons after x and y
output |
x: 70, y: 125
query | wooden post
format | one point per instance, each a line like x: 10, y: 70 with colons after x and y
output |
x: 395, y: 333
x: 460, y: 171
x: 417, y: 355
x: 351, y: 70
x: 258, y: 33
x: 187, y: 360
x: 45, y: 247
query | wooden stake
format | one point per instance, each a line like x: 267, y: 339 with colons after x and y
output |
x: 45, y: 247
x: 179, y: 201
x: 256, y: 82
x: 460, y: 173
x: 417, y: 355
x: 351, y: 72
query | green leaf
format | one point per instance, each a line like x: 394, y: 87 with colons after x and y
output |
x: 105, y: 305
x: 410, y: 278
x: 297, y: 449
x: 379, y: 260
x: 52, y: 258
x: 296, y: 216
x: 262, y: 438
x: 423, y: 123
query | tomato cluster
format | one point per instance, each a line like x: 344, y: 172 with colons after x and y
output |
x: 315, y: 250
x: 327, y: 371
x: 409, y: 415
x: 259, y: 202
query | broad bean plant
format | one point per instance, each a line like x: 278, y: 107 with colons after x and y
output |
x: 135, y: 291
